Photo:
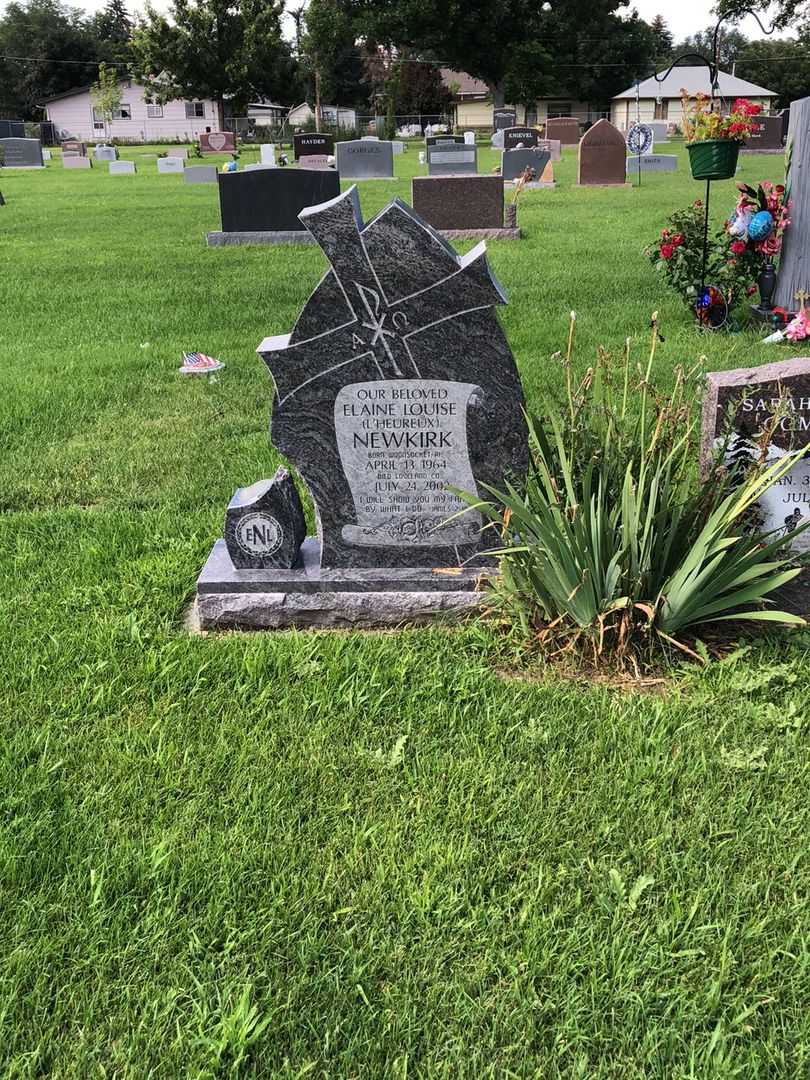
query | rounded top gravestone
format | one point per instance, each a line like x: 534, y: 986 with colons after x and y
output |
x: 602, y: 156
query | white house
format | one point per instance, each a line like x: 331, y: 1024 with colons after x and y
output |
x: 472, y: 106
x: 335, y: 116
x: 139, y: 119
x: 662, y: 100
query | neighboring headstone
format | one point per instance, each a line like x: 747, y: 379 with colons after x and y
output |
x: 265, y: 526
x: 21, y: 153
x: 369, y: 138
x: 468, y: 203
x: 12, y: 129
x: 503, y: 118
x: 640, y: 139
x: 74, y: 161
x: 200, y: 174
x: 602, y: 156
x: 268, y: 154
x: 497, y: 140
x: 46, y: 154
x: 315, y: 161
x: 752, y: 396
x: 395, y: 387
x: 433, y: 140
x: 524, y: 137
x: 660, y: 130
x: 397, y: 146
x: 364, y: 159
x: 122, y: 168
x: 565, y: 129
x: 74, y: 146
x: 651, y: 163
x: 547, y: 178
x: 217, y: 142
x: 452, y: 159
x: 767, y: 136
x: 316, y: 143
x: 469, y: 138
x: 170, y: 165
x: 180, y: 151
x: 515, y: 162
x: 793, y: 275
x: 102, y: 152
x: 553, y: 146
x: 263, y: 206
x: 785, y: 114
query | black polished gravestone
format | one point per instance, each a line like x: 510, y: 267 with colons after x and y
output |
x: 395, y: 390
x: 503, y: 118
x: 262, y: 206
x: 432, y: 140
x: 514, y: 137
x: 313, y: 143
x: 264, y: 525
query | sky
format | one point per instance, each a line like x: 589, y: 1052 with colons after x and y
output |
x: 683, y: 18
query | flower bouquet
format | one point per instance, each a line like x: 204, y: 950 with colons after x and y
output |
x: 713, y: 141
x: 756, y: 228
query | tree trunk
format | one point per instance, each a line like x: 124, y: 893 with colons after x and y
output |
x: 220, y: 117
x: 496, y: 92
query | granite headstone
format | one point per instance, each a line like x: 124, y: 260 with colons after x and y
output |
x: 514, y: 137
x: 564, y: 129
x: 660, y: 130
x: 602, y: 156
x: 503, y: 118
x: 432, y: 140
x: 217, y: 142
x: 74, y: 146
x: 515, y: 162
x: 102, y: 152
x: 793, y: 275
x: 170, y: 165
x: 200, y: 174
x: 452, y: 159
x: 459, y: 202
x: 268, y: 153
x: 270, y: 200
x: 365, y: 159
x: 264, y: 524
x: 315, y: 161
x: 317, y: 143
x: 553, y: 147
x: 75, y: 161
x: 652, y: 163
x: 767, y: 135
x: 22, y: 153
x: 122, y: 168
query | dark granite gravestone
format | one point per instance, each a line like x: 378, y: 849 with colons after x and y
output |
x: 459, y: 203
x: 452, y: 159
x: 602, y: 156
x: 265, y: 526
x: 432, y: 140
x: 217, y: 142
x: 503, y: 118
x: 74, y: 146
x: 263, y: 206
x: 565, y: 129
x: 12, y: 129
x: 313, y: 142
x: 365, y: 159
x: 22, y: 153
x: 793, y: 275
x: 652, y: 163
x: 515, y: 162
x: 751, y: 397
x: 395, y: 387
x: 520, y: 136
x: 200, y: 174
x: 767, y: 136
x: 785, y: 114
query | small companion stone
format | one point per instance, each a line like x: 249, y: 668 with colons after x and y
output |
x: 265, y: 525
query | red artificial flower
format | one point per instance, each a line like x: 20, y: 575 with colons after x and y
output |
x: 738, y: 247
x: 667, y: 251
x: 697, y: 202
x: 677, y: 239
x: 750, y: 290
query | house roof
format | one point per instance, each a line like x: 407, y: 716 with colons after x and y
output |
x: 695, y: 80
x: 467, y: 85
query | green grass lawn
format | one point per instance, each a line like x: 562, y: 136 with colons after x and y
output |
x: 349, y: 855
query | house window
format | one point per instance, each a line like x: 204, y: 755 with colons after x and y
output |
x: 154, y: 112
x: 124, y: 112
x: 661, y: 110
x: 559, y: 108
x: 98, y: 119
x: 195, y: 110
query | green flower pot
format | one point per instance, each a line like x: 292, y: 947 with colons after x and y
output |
x: 714, y: 159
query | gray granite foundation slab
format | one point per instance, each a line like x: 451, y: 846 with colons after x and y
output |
x: 228, y: 239
x: 480, y: 234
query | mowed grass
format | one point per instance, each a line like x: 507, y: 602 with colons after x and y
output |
x: 349, y: 855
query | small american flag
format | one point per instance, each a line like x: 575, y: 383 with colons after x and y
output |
x: 196, y: 363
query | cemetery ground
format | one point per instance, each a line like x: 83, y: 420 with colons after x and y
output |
x: 345, y: 855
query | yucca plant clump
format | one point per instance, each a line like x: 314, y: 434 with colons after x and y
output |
x: 614, y: 548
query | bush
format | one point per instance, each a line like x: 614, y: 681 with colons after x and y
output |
x: 613, y: 548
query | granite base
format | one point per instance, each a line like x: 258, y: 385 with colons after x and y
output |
x: 480, y: 234
x: 228, y: 239
x: 306, y: 596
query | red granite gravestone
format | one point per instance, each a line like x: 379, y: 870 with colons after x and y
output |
x: 565, y: 129
x: 459, y: 202
x: 602, y: 156
x: 217, y: 142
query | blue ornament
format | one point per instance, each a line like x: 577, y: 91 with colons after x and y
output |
x: 760, y: 226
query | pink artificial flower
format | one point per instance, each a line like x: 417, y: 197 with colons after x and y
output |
x: 799, y: 328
